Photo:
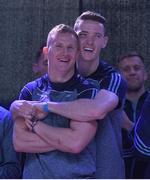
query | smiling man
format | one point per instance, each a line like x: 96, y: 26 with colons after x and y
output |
x: 57, y: 147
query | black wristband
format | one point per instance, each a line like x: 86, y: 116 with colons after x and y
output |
x: 33, y: 125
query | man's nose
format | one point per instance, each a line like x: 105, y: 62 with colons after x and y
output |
x: 132, y: 71
x: 90, y: 40
x: 65, y: 51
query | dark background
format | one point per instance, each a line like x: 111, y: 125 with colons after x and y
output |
x: 24, y: 25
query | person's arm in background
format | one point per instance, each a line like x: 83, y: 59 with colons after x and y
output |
x: 142, y: 132
x: 127, y: 124
x: 10, y: 167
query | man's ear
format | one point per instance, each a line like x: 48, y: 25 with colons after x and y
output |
x: 45, y: 52
x: 105, y: 41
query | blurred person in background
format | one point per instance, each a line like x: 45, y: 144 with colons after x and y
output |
x: 40, y: 65
x: 10, y: 167
x: 131, y: 66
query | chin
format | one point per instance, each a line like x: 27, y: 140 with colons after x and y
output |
x: 134, y: 89
x: 87, y: 58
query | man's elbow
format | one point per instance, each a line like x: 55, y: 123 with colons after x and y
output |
x: 104, y: 103
x: 101, y: 112
x: 98, y: 113
x: 17, y: 146
x: 13, y: 110
x: 76, y: 147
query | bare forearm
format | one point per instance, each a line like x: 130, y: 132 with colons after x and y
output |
x: 58, y: 137
x: 81, y: 110
x: 32, y: 146
x: 26, y: 141
x: 73, y: 139
x: 87, y: 109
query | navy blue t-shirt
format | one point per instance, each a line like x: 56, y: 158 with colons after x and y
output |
x: 110, y: 79
x: 109, y: 157
x: 57, y: 164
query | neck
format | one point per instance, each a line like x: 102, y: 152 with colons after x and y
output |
x: 86, y: 68
x: 134, y: 96
x: 60, y: 77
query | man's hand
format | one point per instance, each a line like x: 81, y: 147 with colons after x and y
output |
x: 37, y: 110
x: 127, y: 124
x: 27, y: 109
x: 22, y: 108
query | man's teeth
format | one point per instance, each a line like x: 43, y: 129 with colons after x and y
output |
x: 64, y: 60
x: 88, y: 49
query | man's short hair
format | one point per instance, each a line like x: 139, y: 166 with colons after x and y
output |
x: 61, y: 28
x: 90, y: 15
x: 130, y: 54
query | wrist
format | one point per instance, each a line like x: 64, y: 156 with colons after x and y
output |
x: 34, y: 123
x: 45, y: 107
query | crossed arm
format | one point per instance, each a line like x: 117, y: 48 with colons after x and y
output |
x: 47, y: 138
x: 73, y: 139
x: 26, y: 141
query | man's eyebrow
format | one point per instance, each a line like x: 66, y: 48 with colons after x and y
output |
x: 83, y: 31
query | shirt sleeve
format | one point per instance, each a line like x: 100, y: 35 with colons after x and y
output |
x: 142, y: 132
x: 27, y: 91
x: 116, y: 84
x: 10, y: 165
x: 25, y: 94
x: 89, y: 90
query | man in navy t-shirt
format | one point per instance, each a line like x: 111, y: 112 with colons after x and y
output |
x: 55, y: 146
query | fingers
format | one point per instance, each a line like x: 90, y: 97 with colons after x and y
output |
x: 27, y: 116
x: 24, y: 109
x: 28, y: 124
x: 29, y: 109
